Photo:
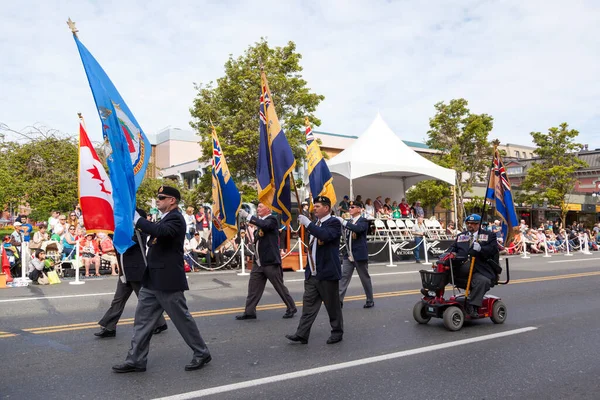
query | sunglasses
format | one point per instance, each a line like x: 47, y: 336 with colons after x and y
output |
x: 163, y: 197
x: 354, y: 207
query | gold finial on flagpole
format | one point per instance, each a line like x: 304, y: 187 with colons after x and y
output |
x: 72, y: 27
x: 306, y: 122
x: 81, y: 119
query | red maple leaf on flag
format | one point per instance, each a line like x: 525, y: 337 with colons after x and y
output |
x: 96, y: 175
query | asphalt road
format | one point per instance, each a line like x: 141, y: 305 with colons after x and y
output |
x: 545, y: 350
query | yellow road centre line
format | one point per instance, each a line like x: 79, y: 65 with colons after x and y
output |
x: 226, y: 311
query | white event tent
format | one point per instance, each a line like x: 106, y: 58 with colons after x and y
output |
x: 380, y: 163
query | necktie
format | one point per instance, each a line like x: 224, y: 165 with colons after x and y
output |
x: 350, y: 255
x: 311, y: 246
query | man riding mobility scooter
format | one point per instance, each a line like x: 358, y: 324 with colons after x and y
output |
x: 472, y: 264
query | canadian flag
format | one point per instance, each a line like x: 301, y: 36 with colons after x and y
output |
x: 95, y: 189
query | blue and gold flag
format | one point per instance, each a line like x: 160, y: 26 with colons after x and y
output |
x: 319, y: 177
x: 499, y: 193
x: 275, y: 158
x: 226, y: 198
x: 126, y: 146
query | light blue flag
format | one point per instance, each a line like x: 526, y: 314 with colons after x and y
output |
x: 127, y: 147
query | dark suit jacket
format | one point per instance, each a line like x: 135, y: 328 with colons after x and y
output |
x: 268, y: 243
x: 328, y: 263
x: 489, y: 251
x: 359, y: 245
x: 134, y: 260
x: 165, y: 252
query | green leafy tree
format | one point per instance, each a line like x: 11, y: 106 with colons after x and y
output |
x: 430, y: 193
x: 40, y: 168
x: 232, y: 105
x: 462, y: 139
x: 553, y: 177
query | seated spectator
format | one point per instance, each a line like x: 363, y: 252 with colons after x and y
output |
x: 419, y: 212
x: 39, y: 238
x: 68, y: 244
x: 61, y: 228
x: 11, y: 251
x: 396, y: 213
x: 384, y: 212
x: 36, y: 269
x: 73, y: 219
x: 369, y: 209
x: 531, y: 241
x: 108, y: 252
x: 404, y: 208
x: 53, y: 220
x: 197, y: 248
x: 451, y: 230
x: 344, y: 205
x: 88, y: 248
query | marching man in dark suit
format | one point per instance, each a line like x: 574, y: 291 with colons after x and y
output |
x: 356, y: 254
x: 266, y: 263
x: 322, y: 278
x: 163, y: 285
x: 130, y: 280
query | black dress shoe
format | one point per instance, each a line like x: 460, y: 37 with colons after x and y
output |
x: 472, y: 311
x: 159, y: 329
x: 296, y: 338
x: 245, y: 316
x: 198, y: 363
x: 289, y: 314
x: 105, y: 333
x: 333, y: 340
x: 124, y: 368
x: 369, y: 304
x: 341, y: 304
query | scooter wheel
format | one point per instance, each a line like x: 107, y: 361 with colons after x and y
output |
x: 419, y: 313
x: 454, y: 318
x: 499, y: 312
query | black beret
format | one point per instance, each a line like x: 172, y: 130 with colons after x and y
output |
x: 356, y: 203
x: 169, y: 191
x: 323, y: 200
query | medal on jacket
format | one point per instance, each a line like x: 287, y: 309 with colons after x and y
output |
x: 353, y: 235
x: 154, y: 241
x: 261, y: 233
x: 320, y: 242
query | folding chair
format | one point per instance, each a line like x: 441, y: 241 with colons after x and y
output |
x: 404, y: 231
x: 393, y: 229
x: 381, y: 228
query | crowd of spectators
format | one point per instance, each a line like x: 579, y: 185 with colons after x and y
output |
x: 384, y: 209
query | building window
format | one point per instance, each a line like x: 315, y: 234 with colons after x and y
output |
x: 531, y: 154
x: 517, y: 154
x: 514, y: 170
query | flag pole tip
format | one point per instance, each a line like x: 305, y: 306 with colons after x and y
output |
x: 496, y: 142
x: 72, y: 26
x: 79, y: 115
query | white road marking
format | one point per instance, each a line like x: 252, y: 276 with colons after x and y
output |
x: 340, y: 366
x: 56, y: 297
x: 355, y: 275
x: 576, y: 260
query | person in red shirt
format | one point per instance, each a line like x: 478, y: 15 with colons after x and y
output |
x: 404, y: 208
x: 89, y: 250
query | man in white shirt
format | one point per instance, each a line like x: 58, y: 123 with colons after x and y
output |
x: 418, y: 233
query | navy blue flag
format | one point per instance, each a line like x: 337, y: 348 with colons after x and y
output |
x: 276, y: 161
x: 499, y: 193
x: 126, y: 146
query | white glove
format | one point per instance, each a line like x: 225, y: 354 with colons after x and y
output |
x: 136, y: 216
x: 476, y: 246
x: 304, y: 220
x: 342, y: 221
x: 243, y: 213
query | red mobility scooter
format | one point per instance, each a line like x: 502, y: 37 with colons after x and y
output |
x: 452, y: 310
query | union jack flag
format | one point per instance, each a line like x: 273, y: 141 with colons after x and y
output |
x: 309, y: 135
x: 500, y: 171
x: 217, y: 155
